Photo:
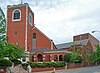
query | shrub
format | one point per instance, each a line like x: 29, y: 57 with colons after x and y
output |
x: 16, y: 62
x: 77, y: 61
x: 5, y: 62
x: 47, y: 64
x: 33, y: 64
x: 67, y: 58
x: 58, y: 64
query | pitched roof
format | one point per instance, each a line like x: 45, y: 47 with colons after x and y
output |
x: 64, y: 45
x: 58, y: 50
x: 42, y: 49
x: 49, y: 51
x: 67, y: 45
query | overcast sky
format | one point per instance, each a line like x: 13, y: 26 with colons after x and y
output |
x: 60, y: 20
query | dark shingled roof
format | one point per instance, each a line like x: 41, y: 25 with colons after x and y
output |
x: 42, y: 49
x: 67, y: 45
x: 60, y: 47
x: 49, y: 51
x: 58, y: 50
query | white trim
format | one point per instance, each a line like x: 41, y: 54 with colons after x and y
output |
x: 13, y: 15
x: 30, y: 14
x: 59, y: 51
x: 7, y: 24
x: 51, y: 45
x: 19, y: 5
x: 34, y: 55
x: 43, y: 58
x: 26, y: 28
x: 43, y: 55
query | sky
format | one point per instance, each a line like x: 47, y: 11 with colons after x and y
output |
x: 60, y: 20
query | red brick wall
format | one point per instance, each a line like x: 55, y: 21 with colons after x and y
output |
x: 42, y: 41
x: 19, y: 27
x: 93, y: 42
x: 16, y: 26
x: 46, y: 69
x: 30, y: 29
x: 74, y: 65
x: 83, y: 36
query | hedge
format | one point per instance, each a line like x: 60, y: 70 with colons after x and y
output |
x: 16, y: 62
x: 46, y: 64
x: 5, y: 62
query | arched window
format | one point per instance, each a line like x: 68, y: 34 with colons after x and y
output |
x: 34, y: 35
x: 16, y: 14
x: 40, y: 58
x: 60, y: 58
x: 55, y: 58
x: 30, y: 18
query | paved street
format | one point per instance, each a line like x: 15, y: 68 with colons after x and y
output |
x: 79, y: 70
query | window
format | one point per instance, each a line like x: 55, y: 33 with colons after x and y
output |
x: 80, y: 37
x: 34, y: 35
x: 16, y: 43
x: 88, y: 50
x: 30, y: 19
x: 16, y: 15
x: 15, y: 33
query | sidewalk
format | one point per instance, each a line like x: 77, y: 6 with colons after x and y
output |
x: 93, y: 68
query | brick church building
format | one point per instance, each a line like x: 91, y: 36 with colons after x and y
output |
x: 22, y: 32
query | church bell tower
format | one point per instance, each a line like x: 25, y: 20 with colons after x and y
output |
x: 20, y: 21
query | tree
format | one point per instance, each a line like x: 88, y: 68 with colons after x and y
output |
x: 5, y: 62
x: 6, y: 49
x: 2, y: 26
x: 10, y: 51
x: 74, y: 56
x: 67, y: 58
x: 93, y: 57
x: 98, y: 53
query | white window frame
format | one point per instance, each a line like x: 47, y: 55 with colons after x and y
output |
x: 30, y: 14
x: 13, y: 15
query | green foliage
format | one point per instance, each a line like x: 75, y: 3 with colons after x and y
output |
x: 98, y: 53
x: 2, y: 27
x: 16, y: 62
x: 78, y: 61
x: 67, y: 58
x: 5, y: 62
x: 33, y: 64
x: 46, y: 64
x: 95, y: 55
x: 10, y: 51
x: 58, y: 64
x: 75, y: 56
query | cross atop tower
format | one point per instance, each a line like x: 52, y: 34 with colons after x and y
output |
x: 21, y: 1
